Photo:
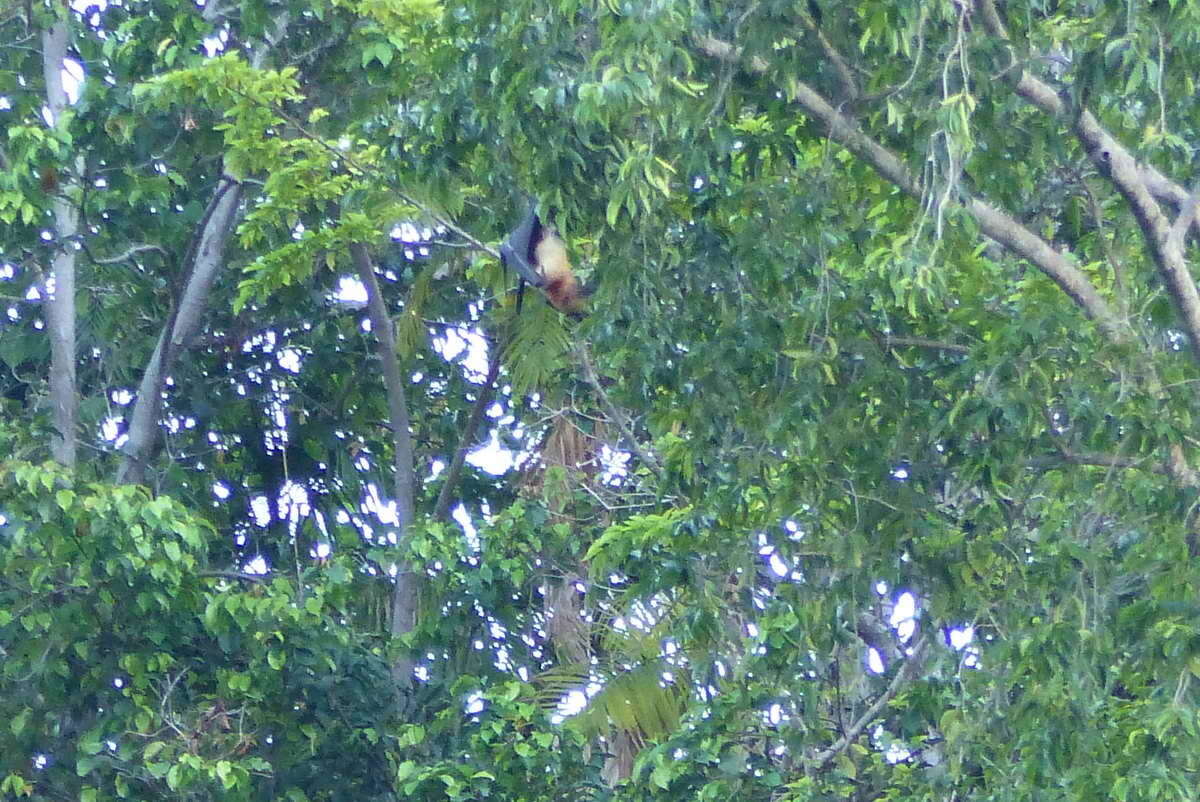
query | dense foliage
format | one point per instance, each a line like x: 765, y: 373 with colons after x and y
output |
x: 893, y: 310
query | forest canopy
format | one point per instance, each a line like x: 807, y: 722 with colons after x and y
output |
x: 868, y: 472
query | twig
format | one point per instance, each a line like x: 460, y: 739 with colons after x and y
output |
x: 131, y: 251
x: 166, y: 700
x: 234, y: 575
x: 486, y: 392
x: 614, y: 414
x: 921, y: 342
x: 910, y: 667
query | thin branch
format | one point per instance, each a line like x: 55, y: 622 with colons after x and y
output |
x: 1175, y: 466
x: 1066, y: 457
x: 1184, y: 220
x: 921, y: 342
x: 727, y: 75
x: 910, y: 667
x: 343, y: 156
x: 238, y: 575
x: 727, y: 52
x: 131, y: 251
x: 614, y: 414
x: 1114, y: 264
x: 466, y: 441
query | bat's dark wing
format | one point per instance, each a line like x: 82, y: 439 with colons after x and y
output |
x: 515, y: 250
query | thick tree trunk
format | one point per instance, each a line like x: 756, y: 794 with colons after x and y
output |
x: 64, y: 394
x: 205, y: 261
x: 403, y: 616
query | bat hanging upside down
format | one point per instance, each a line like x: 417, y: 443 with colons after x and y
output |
x: 539, y: 256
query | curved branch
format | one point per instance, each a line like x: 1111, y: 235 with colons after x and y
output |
x: 1143, y: 188
x: 132, y: 250
x: 995, y: 223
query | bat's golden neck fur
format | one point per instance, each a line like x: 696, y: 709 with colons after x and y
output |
x: 551, y: 257
x: 562, y: 288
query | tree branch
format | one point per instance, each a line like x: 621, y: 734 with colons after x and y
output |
x: 615, y: 415
x: 1040, y: 94
x: 238, y: 575
x: 1131, y: 180
x: 910, y: 667
x: 996, y: 224
x: 841, y: 67
x: 201, y: 264
x: 1185, y: 217
x: 921, y: 342
x: 132, y: 250
x: 441, y: 510
x: 403, y: 616
x: 1065, y: 457
x: 61, y: 311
